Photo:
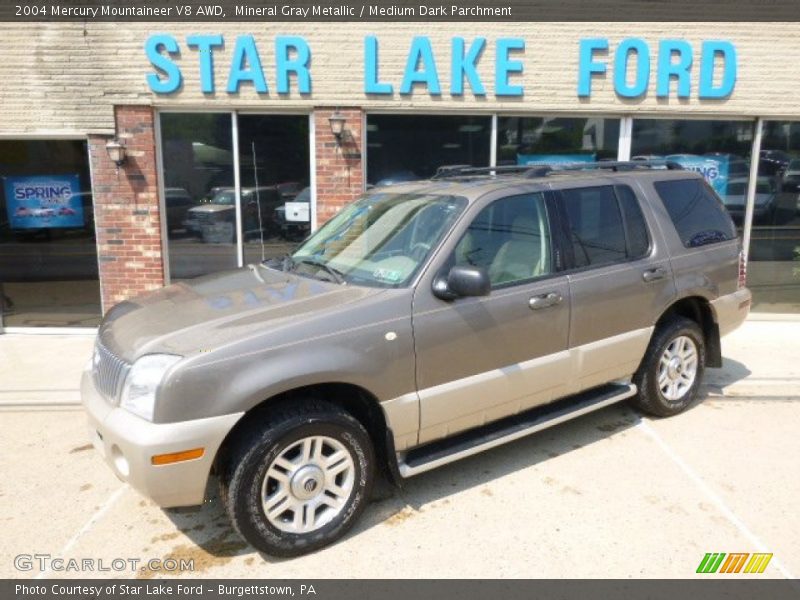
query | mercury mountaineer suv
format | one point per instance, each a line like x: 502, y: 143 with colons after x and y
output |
x: 424, y: 323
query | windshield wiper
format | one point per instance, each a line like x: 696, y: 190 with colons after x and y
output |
x: 338, y: 276
x: 284, y: 263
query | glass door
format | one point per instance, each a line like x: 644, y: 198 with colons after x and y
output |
x: 274, y: 171
x: 214, y: 217
x: 199, y: 193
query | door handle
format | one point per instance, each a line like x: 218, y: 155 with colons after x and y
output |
x: 545, y: 300
x: 654, y: 274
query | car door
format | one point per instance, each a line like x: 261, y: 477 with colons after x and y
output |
x: 619, y: 276
x: 483, y: 358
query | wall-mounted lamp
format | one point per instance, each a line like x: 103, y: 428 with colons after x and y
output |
x: 116, y: 152
x: 336, y: 121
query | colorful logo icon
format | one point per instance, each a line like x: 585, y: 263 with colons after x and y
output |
x: 735, y: 562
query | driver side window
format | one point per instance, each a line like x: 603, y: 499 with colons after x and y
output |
x: 510, y: 238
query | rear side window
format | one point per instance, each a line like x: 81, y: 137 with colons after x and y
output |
x: 595, y: 228
x: 635, y: 227
x: 696, y: 212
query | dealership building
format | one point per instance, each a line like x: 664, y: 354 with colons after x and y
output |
x: 138, y: 154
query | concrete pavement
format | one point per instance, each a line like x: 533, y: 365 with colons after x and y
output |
x: 608, y: 495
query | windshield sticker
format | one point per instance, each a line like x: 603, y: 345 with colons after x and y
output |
x: 387, y: 275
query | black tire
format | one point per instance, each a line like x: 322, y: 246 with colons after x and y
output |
x: 650, y: 398
x: 243, y: 473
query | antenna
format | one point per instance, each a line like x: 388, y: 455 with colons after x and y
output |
x: 258, y: 203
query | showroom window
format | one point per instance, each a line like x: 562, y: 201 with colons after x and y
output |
x: 275, y: 168
x: 200, y: 188
x: 719, y: 150
x: 48, y: 254
x: 773, y: 271
x: 410, y: 147
x: 199, y: 194
x: 523, y: 140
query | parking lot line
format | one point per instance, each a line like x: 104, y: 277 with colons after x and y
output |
x: 711, y: 494
x: 112, y: 499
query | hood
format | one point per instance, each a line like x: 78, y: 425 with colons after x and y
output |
x: 211, y: 208
x: 201, y: 314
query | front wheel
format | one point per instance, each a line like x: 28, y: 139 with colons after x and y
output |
x: 300, y: 481
x: 669, y: 376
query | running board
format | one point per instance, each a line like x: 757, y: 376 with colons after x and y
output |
x: 473, y: 441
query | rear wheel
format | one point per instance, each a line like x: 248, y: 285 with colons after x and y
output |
x: 300, y: 480
x: 669, y: 377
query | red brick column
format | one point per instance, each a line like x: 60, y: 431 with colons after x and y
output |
x: 126, y: 209
x: 340, y: 166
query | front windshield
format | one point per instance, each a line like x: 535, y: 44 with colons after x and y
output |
x: 226, y: 197
x: 380, y: 240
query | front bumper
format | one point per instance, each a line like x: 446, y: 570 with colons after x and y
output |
x: 127, y: 443
x: 731, y: 310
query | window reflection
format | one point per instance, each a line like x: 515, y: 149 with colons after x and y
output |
x: 410, y: 147
x: 719, y: 150
x: 773, y: 272
x: 524, y: 140
x: 197, y: 152
x: 48, y: 254
x: 276, y: 197
x: 200, y: 196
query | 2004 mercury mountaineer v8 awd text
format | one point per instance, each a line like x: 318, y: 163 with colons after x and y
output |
x: 425, y: 322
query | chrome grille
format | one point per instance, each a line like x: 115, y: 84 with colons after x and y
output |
x: 109, y: 371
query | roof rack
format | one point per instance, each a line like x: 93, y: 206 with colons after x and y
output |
x: 622, y: 165
x: 544, y: 169
x: 447, y: 171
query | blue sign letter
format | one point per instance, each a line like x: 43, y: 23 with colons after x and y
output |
x: 587, y: 66
x: 205, y: 45
x: 152, y: 48
x: 298, y: 65
x: 642, y: 78
x: 421, y: 52
x: 245, y: 53
x: 709, y: 53
x: 371, y: 83
x: 466, y: 65
x: 503, y: 67
x: 680, y: 70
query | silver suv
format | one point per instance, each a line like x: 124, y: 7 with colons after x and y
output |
x: 424, y: 323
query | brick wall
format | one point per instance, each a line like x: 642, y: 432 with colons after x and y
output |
x: 126, y: 209
x: 340, y: 167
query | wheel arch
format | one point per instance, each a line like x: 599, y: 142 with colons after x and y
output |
x: 355, y: 400
x: 699, y: 310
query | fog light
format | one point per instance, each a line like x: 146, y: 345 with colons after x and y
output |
x: 120, y: 462
x: 173, y: 457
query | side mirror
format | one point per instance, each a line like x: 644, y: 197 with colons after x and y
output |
x: 461, y: 282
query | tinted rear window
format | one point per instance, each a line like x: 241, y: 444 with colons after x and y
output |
x: 696, y: 212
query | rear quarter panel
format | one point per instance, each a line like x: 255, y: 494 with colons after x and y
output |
x: 709, y: 271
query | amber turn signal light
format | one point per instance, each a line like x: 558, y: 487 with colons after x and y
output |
x: 173, y: 457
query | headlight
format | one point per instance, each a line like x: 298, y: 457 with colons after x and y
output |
x: 139, y: 391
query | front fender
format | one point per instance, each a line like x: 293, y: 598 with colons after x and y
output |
x: 378, y: 356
